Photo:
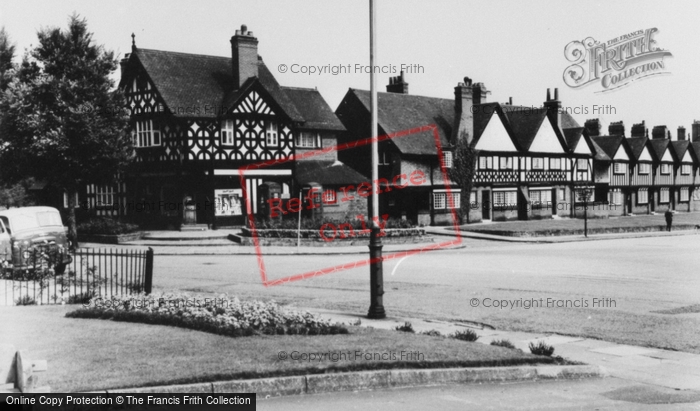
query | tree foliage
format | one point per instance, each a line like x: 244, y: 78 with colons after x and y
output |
x: 7, y: 54
x: 62, y: 121
x: 462, y: 172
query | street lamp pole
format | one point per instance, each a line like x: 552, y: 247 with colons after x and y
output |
x: 376, y: 275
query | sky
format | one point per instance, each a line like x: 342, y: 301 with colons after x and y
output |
x: 516, y: 48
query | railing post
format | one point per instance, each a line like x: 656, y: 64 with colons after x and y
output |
x: 149, y: 271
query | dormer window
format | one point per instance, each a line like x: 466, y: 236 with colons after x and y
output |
x: 686, y: 169
x: 227, y: 132
x: 271, y: 134
x: 665, y: 168
x: 644, y: 168
x: 620, y: 168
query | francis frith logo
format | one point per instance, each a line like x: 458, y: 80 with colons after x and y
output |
x: 615, y: 63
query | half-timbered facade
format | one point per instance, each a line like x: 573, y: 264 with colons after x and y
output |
x: 529, y: 159
x: 197, y: 121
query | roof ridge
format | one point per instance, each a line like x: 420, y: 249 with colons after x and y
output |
x: 184, y: 54
x: 299, y: 88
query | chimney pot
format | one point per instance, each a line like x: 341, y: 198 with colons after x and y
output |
x: 556, y: 94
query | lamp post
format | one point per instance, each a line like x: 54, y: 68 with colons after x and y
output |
x: 376, y: 275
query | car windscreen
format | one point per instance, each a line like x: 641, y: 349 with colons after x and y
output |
x: 49, y: 218
x: 21, y: 222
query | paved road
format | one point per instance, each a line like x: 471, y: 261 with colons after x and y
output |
x: 635, y: 291
x: 598, y: 394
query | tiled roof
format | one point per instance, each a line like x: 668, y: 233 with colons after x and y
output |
x: 399, y: 112
x: 313, y: 109
x: 482, y: 117
x: 573, y: 137
x: 658, y: 147
x: 197, y: 81
x: 695, y: 149
x: 636, y: 145
x: 327, y: 173
x: 525, y: 123
x: 610, y: 144
x: 679, y: 148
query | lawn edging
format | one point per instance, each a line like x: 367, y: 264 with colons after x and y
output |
x: 572, y: 232
x: 370, y: 380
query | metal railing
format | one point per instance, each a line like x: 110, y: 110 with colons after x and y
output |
x: 43, y: 276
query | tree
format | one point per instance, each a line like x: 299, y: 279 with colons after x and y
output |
x: 63, y: 122
x: 7, y: 54
x: 462, y: 173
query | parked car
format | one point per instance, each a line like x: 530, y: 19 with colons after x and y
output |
x: 33, y: 237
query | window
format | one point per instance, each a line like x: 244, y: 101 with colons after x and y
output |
x: 447, y: 159
x: 472, y: 197
x: 537, y: 163
x: 644, y: 168
x: 642, y: 196
x: 686, y: 169
x: 486, y: 163
x: 615, y: 197
x: 104, y: 196
x: 685, y: 194
x: 271, y: 134
x: 541, y: 198
x: 555, y: 163
x: 308, y: 140
x: 441, y: 202
x: 664, y: 195
x: 619, y: 168
x: 227, y: 132
x: 503, y: 199
x: 562, y: 194
x: 65, y: 200
x: 506, y: 163
x: 329, y: 197
x: 584, y: 194
x: 582, y: 164
x: 146, y: 134
x: 665, y: 168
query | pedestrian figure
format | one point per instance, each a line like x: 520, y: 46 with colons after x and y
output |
x: 669, y: 219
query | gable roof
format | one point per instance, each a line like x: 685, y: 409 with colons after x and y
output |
x: 695, y: 150
x: 679, y: 148
x: 327, y: 173
x: 482, y: 118
x: 313, y: 109
x: 636, y: 145
x: 398, y: 112
x: 611, y: 144
x: 199, y: 81
x: 525, y: 123
x: 658, y: 147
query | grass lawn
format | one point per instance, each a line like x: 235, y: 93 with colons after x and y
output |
x: 87, y: 354
x: 562, y: 226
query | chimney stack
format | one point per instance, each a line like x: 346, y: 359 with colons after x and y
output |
x: 659, y: 132
x: 123, y: 62
x: 467, y: 95
x: 616, y: 128
x: 244, y: 56
x: 681, y: 133
x: 696, y: 131
x: 593, y: 127
x: 553, y: 107
x: 638, y: 130
x: 397, y: 85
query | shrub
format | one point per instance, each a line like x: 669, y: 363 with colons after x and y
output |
x: 466, y: 335
x: 406, y: 327
x: 432, y: 333
x: 541, y: 348
x: 25, y: 300
x: 503, y: 343
x: 229, y: 317
x: 106, y: 225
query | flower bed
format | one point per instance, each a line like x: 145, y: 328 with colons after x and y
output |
x: 223, y: 316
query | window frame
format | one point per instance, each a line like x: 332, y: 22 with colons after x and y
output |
x: 271, y: 134
x: 146, y: 133
x: 665, y: 169
x: 447, y: 160
x: 552, y: 165
x: 681, y: 197
x: 539, y: 160
x: 688, y: 168
x: 228, y: 133
x: 664, y: 192
x: 646, y: 170
x: 102, y: 193
x: 508, y: 163
x: 646, y: 196
x: 315, y: 139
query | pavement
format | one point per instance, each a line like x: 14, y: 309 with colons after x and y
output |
x: 216, y: 242
x: 663, y: 368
